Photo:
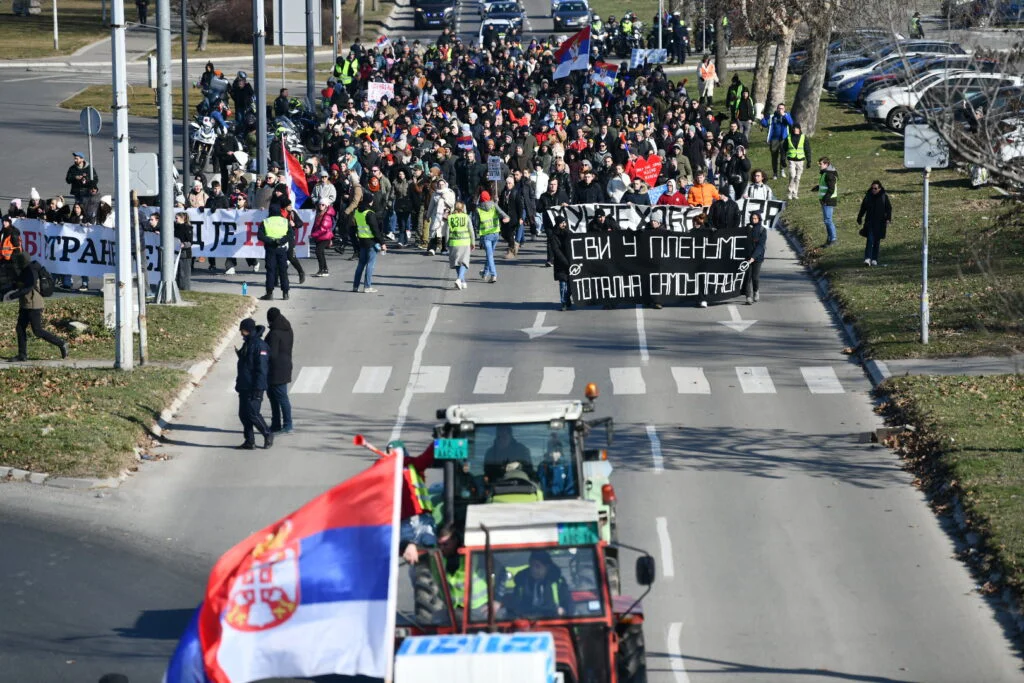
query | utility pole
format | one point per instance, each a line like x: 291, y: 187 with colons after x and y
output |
x: 259, y: 45
x: 123, y: 357
x: 186, y: 152
x: 56, y: 35
x: 310, y: 59
x: 661, y: 15
x: 925, y: 310
x: 168, y: 291
x: 336, y: 34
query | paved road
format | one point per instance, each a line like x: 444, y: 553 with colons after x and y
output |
x: 788, y: 547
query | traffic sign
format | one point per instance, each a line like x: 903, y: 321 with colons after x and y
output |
x: 923, y: 147
x: 90, y: 121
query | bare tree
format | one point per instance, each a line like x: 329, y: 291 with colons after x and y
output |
x: 762, y: 71
x: 780, y: 70
x: 774, y: 21
x: 199, y: 14
x: 820, y: 17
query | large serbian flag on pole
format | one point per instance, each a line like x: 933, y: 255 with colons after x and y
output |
x: 573, y: 54
x: 295, y: 179
x: 310, y: 595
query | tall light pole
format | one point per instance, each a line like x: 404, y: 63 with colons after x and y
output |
x: 186, y: 160
x: 56, y: 35
x: 168, y: 291
x: 259, y: 45
x: 123, y: 357
x: 310, y: 58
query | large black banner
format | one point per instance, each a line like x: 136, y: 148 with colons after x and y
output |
x: 657, y: 266
x: 673, y: 218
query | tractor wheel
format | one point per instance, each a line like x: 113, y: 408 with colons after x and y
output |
x: 632, y: 659
x: 428, y: 596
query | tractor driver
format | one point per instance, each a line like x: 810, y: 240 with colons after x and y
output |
x: 505, y: 450
x: 540, y: 590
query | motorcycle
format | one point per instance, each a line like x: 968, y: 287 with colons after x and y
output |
x: 203, y: 137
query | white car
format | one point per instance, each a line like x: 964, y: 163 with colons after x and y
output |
x: 893, y: 106
x: 878, y: 65
x: 503, y: 26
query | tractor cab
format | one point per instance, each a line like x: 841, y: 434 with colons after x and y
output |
x: 522, y: 452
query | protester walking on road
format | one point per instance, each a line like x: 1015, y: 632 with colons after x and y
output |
x: 757, y: 240
x: 490, y: 217
x: 30, y: 307
x: 460, y: 242
x: 370, y: 238
x: 876, y: 214
x: 558, y: 248
x: 778, y: 125
x: 828, y: 193
x: 280, y: 340
x: 253, y: 370
x: 798, y: 157
x: 322, y: 234
x: 273, y: 233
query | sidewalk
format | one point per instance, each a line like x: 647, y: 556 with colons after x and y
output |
x: 975, y: 366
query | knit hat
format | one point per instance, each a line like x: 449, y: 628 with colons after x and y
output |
x: 247, y: 325
x: 105, y: 199
x: 16, y: 202
x: 34, y: 194
x: 485, y: 196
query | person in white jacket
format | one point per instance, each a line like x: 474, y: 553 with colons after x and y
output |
x: 758, y: 189
x: 618, y: 184
x: 441, y: 204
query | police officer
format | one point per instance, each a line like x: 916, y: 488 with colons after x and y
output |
x: 275, y: 237
x: 253, y: 369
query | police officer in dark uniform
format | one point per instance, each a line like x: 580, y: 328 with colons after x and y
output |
x: 251, y: 381
x: 276, y: 237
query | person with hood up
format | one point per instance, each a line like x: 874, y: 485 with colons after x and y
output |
x: 757, y: 240
x: 442, y: 201
x: 280, y: 340
x: 672, y: 196
x: 322, y: 234
x: 460, y: 237
x: 558, y: 248
x: 876, y: 213
x: 828, y: 195
x: 489, y: 219
x: 253, y: 370
x: 30, y: 308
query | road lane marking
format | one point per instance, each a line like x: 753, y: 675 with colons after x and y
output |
x: 492, y: 380
x: 432, y: 379
x: 822, y: 380
x: 691, y: 380
x: 641, y: 334
x: 557, y: 380
x: 311, y: 380
x: 755, y: 380
x: 373, y: 379
x: 627, y: 381
x: 675, y: 653
x: 668, y: 570
x: 417, y: 360
x: 659, y: 461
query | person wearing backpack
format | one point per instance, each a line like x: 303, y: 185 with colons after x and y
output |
x: 31, y: 302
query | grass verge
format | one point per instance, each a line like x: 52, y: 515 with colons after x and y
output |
x: 176, y: 333
x: 74, y: 422
x: 976, y: 245
x: 966, y: 449
x: 78, y: 24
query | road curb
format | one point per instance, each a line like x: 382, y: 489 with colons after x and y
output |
x: 196, y: 373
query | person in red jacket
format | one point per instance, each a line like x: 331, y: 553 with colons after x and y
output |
x: 672, y: 197
x: 418, y: 527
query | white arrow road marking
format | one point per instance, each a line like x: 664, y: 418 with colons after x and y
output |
x: 675, y: 634
x: 737, y: 323
x: 539, y: 329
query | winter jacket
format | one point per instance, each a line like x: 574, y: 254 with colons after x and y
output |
x: 876, y: 212
x: 323, y: 227
x: 830, y: 177
x: 641, y: 197
x: 759, y: 191
x: 79, y: 178
x: 323, y: 191
x: 702, y: 195
x: 558, y: 244
x: 28, y: 294
x: 675, y: 199
x: 547, y: 201
x: 757, y: 240
x: 778, y: 126
x: 590, y: 194
x: 725, y: 215
x: 280, y: 340
x: 253, y: 366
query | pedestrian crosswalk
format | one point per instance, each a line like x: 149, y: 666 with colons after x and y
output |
x: 553, y: 381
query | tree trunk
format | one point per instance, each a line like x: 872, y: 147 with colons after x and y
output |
x: 777, y: 89
x: 760, y: 87
x: 721, y: 50
x: 204, y: 35
x: 808, y: 93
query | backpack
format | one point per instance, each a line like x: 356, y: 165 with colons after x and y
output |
x: 44, y: 281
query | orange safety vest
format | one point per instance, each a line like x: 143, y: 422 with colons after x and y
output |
x: 707, y: 72
x: 8, y: 248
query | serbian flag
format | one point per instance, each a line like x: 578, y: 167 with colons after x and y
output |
x: 382, y: 42
x: 605, y: 74
x: 573, y: 54
x: 295, y: 179
x: 312, y: 594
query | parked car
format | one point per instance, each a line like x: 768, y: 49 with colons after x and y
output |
x: 938, y: 47
x: 933, y: 63
x: 848, y: 43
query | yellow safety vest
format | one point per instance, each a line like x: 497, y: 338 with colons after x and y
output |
x: 626, y: 25
x: 275, y: 227
x: 363, y: 229
x: 823, y: 187
x: 458, y: 230
x: 348, y: 69
x: 795, y: 152
x: 488, y: 221
x: 457, y: 586
x: 418, y: 486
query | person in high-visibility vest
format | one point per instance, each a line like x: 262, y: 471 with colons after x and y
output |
x: 540, y: 590
x: 418, y: 526
x: 460, y: 243
x: 798, y: 157
x: 273, y: 233
x: 370, y: 240
x: 346, y: 70
x: 489, y: 218
x: 828, y: 195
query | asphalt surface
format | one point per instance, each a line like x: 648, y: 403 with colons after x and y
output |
x: 789, y: 548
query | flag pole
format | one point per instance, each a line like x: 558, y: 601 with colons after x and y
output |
x: 389, y: 628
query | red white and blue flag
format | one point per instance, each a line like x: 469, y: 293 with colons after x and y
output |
x: 605, y: 74
x: 382, y: 42
x: 573, y: 54
x: 310, y: 595
x: 295, y: 179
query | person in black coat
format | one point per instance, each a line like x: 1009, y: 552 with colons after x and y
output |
x: 876, y: 213
x: 757, y: 240
x: 251, y: 381
x: 558, y: 248
x: 280, y: 340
